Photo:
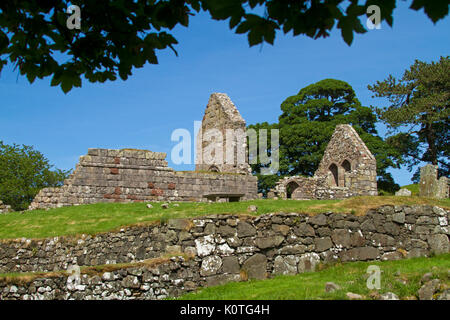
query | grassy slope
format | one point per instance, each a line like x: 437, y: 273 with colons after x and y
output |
x: 352, y: 277
x: 414, y: 188
x: 102, y: 217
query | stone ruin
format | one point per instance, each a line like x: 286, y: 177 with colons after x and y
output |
x: 4, y: 208
x: 222, y: 142
x: 430, y: 186
x: 347, y: 169
x: 130, y: 175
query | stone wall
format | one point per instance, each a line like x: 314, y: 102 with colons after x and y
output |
x: 233, y: 248
x: 127, y: 175
x: 347, y: 169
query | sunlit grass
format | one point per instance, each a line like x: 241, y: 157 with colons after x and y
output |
x: 102, y: 217
x: 400, y: 277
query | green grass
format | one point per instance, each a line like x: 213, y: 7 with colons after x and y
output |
x: 414, y: 188
x: 103, y: 217
x: 351, y: 277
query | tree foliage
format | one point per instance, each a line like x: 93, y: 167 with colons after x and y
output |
x: 419, y: 112
x: 308, y: 121
x: 23, y: 172
x: 119, y: 35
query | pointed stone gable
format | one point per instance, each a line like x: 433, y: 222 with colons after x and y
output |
x: 347, y: 169
x: 213, y: 154
x: 345, y: 144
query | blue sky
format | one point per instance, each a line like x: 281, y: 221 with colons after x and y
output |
x: 143, y: 111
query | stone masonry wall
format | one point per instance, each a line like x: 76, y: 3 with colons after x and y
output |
x: 224, y: 248
x: 347, y: 169
x: 223, y: 133
x: 126, y: 175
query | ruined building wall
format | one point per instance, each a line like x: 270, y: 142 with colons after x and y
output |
x: 127, y: 175
x: 130, y: 175
x: 347, y: 169
x: 222, y: 141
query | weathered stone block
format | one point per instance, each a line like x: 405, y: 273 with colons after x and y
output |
x: 269, y: 242
x: 323, y: 244
x: 255, y: 267
x: 244, y: 229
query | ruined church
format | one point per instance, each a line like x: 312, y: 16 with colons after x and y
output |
x: 347, y: 169
x: 222, y: 172
x: 130, y: 175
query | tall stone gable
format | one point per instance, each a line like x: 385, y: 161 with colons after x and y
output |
x: 221, y: 141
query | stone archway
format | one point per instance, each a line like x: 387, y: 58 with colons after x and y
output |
x: 290, y: 188
x: 335, y: 175
x: 214, y: 168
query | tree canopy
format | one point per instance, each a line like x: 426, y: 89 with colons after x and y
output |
x: 419, y: 112
x: 307, y: 123
x: 119, y: 35
x: 23, y: 172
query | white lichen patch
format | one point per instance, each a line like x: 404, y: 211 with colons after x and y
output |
x: 205, y: 245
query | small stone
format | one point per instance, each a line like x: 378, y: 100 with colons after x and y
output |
x: 426, y: 277
x: 403, y: 193
x: 427, y: 291
x: 252, y: 208
x: 353, y: 296
x: 331, y: 287
x: 255, y: 266
x: 210, y: 265
x: 399, y: 217
x: 389, y: 296
x: 165, y: 206
x: 176, y: 205
x: 445, y: 295
x: 149, y: 206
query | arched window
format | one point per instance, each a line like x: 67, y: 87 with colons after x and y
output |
x: 334, y: 171
x: 290, y: 188
x: 347, y: 166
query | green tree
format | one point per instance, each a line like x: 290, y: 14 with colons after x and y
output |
x: 265, y: 181
x: 419, y: 112
x: 308, y: 120
x: 23, y: 172
x: 119, y: 35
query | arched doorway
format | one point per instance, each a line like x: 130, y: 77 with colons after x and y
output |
x: 290, y: 188
x: 334, y: 171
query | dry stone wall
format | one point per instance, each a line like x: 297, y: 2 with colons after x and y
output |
x: 223, y: 248
x: 105, y: 175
